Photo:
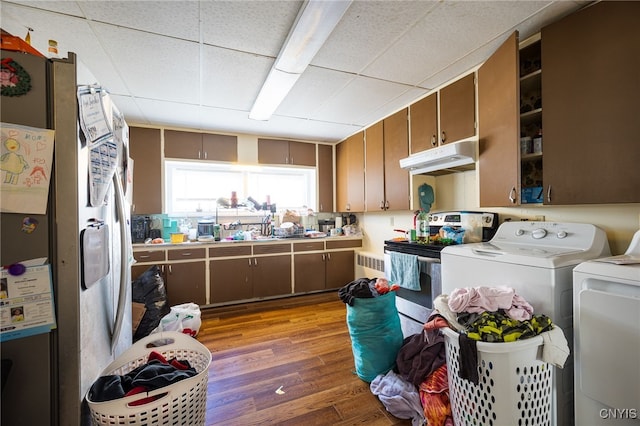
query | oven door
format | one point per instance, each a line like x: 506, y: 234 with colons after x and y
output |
x: 415, y: 307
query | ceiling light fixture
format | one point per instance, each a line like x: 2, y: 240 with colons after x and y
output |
x: 314, y: 23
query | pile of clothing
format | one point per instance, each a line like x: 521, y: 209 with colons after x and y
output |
x: 417, y: 388
x: 157, y: 373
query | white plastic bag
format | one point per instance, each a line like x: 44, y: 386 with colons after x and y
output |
x: 184, y: 318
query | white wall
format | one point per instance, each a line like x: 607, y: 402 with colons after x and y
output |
x: 459, y: 191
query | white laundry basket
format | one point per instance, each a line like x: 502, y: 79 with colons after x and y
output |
x: 514, y: 386
x: 181, y: 403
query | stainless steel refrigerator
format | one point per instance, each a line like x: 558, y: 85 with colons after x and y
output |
x: 51, y: 372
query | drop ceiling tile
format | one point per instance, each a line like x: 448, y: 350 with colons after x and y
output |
x: 130, y: 109
x: 249, y: 26
x: 72, y: 34
x: 447, y: 34
x: 171, y: 114
x: 232, y: 79
x: 178, y: 19
x: 156, y: 67
x: 70, y: 8
x: 312, y: 90
x: 366, y: 31
x: 358, y: 100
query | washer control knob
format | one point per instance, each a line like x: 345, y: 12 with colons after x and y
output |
x: 561, y: 234
x: 520, y: 232
x: 539, y: 233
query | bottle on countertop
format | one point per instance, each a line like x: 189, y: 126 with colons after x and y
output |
x: 234, y: 200
x: 422, y: 226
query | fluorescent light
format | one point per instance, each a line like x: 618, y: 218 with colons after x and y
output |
x: 315, y: 22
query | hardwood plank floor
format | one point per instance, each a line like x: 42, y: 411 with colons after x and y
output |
x: 300, y: 345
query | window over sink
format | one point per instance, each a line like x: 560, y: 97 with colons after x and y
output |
x: 193, y: 188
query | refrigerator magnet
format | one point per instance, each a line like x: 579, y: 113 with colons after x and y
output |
x: 29, y: 224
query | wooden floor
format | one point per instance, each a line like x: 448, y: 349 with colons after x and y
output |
x: 286, y: 362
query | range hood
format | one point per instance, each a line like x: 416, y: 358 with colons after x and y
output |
x: 455, y: 157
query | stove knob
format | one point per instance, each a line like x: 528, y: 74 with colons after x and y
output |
x: 539, y: 233
x: 520, y: 232
x: 561, y: 234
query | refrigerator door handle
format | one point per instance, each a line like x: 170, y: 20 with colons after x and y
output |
x: 124, y: 260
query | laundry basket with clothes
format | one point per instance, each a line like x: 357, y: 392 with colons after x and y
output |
x: 374, y: 325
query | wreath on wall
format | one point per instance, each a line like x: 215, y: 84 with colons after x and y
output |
x: 15, y: 81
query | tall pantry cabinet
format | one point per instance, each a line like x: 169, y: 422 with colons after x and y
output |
x: 590, y: 91
x: 589, y: 129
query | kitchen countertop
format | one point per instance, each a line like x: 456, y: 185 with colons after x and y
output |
x: 258, y: 241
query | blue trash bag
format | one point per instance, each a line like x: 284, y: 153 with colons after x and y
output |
x: 376, y: 336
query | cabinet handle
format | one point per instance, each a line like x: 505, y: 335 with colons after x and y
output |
x: 444, y: 137
x: 512, y: 195
x: 324, y: 257
x: 549, y: 194
x: 292, y: 160
x: 187, y: 254
x: 162, y: 269
x: 434, y: 140
x: 381, y: 205
x: 386, y: 205
x: 205, y: 155
x: 255, y: 261
x: 144, y: 256
x: 348, y: 207
x: 249, y: 262
x: 328, y: 256
x: 199, y: 155
x: 170, y: 270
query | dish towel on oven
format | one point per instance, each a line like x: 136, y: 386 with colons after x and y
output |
x: 405, y: 271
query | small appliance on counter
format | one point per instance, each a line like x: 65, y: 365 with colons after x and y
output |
x: 140, y: 228
x: 208, y: 229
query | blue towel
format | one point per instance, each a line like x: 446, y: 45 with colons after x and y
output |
x: 405, y: 271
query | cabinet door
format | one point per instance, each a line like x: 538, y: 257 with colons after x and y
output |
x: 396, y: 147
x: 145, y: 148
x: 219, y: 147
x: 273, y: 151
x: 186, y: 282
x: 424, y: 124
x: 302, y: 154
x: 374, y: 168
x: 178, y: 144
x: 590, y: 88
x: 349, y: 174
x: 309, y: 272
x: 342, y: 176
x: 355, y: 166
x: 457, y: 110
x: 325, y: 178
x: 340, y: 268
x: 271, y: 275
x: 498, y: 110
x: 230, y: 280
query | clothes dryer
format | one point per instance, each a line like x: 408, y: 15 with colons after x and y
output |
x: 607, y: 339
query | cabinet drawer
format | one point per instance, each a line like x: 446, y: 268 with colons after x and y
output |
x: 183, y: 254
x: 271, y: 248
x: 231, y: 250
x: 149, y: 256
x: 336, y: 244
x: 309, y: 246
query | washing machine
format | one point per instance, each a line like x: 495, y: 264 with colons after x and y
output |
x: 607, y: 339
x: 536, y: 259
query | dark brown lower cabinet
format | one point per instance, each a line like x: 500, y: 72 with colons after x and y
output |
x: 186, y: 283
x: 248, y: 278
x: 323, y: 271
